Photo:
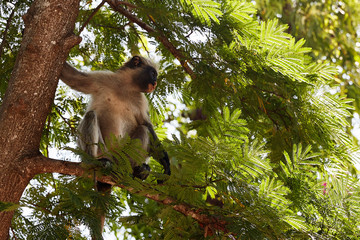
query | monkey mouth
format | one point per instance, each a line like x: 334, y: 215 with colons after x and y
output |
x: 151, y: 87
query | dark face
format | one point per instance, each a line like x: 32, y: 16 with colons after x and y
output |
x: 145, y: 76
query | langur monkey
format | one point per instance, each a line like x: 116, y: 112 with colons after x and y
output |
x: 118, y: 107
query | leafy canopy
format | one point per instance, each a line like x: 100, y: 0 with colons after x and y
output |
x: 262, y: 144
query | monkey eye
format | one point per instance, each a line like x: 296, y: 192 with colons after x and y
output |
x: 153, y: 76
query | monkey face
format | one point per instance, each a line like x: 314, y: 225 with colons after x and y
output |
x: 149, y: 79
x: 144, y: 75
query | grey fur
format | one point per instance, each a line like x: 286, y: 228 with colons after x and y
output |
x: 90, y: 134
x: 118, y: 106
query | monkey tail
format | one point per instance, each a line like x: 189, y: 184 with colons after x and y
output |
x: 88, y: 141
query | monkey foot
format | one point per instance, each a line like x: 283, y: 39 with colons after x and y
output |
x: 106, y: 163
x: 141, y: 172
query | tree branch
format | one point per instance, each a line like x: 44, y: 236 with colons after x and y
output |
x: 91, y: 16
x: 72, y: 128
x: 112, y: 27
x: 139, y: 37
x: 42, y: 164
x: 129, y: 5
x: 115, y: 4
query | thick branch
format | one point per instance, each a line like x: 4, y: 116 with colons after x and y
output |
x: 43, y: 164
x: 115, y: 4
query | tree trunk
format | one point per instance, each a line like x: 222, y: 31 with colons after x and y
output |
x: 46, y: 43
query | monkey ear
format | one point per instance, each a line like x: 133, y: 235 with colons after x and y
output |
x: 136, y: 61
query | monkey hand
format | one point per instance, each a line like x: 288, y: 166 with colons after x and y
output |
x: 141, y: 172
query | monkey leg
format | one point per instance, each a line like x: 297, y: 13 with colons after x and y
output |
x: 141, y: 133
x: 90, y: 134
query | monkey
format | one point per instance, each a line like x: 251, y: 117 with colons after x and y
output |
x: 118, y: 107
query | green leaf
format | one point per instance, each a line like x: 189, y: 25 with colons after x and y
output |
x: 205, y: 10
x: 296, y: 222
x: 7, y: 206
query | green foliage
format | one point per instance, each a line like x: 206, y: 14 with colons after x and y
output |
x: 205, y: 10
x: 7, y: 206
x: 61, y: 123
x: 11, y: 26
x: 270, y: 152
x: 64, y: 205
x: 330, y: 29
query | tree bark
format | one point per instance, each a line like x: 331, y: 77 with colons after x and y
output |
x: 46, y: 43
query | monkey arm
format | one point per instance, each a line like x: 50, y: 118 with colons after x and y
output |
x: 157, y: 151
x: 77, y: 80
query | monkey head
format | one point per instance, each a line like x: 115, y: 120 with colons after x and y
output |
x: 144, y: 74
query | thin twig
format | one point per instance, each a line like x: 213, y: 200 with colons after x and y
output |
x: 271, y: 92
x: 7, y: 27
x: 28, y: 203
x: 73, y: 130
x: 112, y: 27
x: 142, y: 42
x: 91, y: 16
x: 14, y: 235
